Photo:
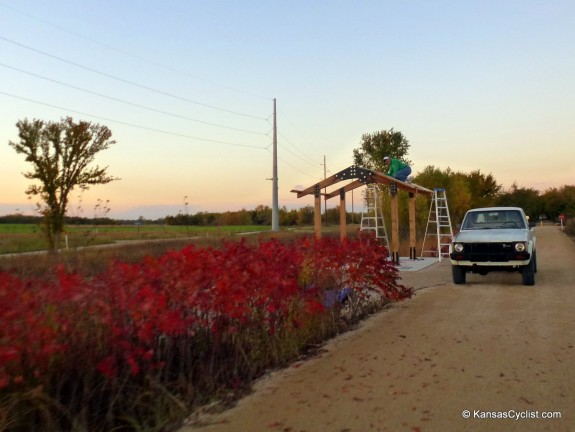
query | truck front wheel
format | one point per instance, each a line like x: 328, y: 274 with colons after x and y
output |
x: 458, y: 273
x: 528, y: 273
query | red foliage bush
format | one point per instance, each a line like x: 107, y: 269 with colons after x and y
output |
x: 116, y: 323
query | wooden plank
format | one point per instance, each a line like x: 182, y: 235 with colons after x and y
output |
x: 353, y: 185
x: 342, y: 215
x: 383, y: 179
x: 317, y: 216
x: 412, y: 232
x: 322, y: 185
x: 406, y: 186
x: 394, y: 228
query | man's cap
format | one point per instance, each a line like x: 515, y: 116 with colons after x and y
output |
x: 386, y: 158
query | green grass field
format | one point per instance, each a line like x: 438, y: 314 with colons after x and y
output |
x: 15, y: 238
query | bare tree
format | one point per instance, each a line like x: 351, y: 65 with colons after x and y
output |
x: 61, y: 154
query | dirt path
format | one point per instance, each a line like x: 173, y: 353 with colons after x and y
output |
x: 492, y: 347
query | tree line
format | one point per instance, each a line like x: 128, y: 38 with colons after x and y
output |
x: 476, y: 189
x: 261, y: 215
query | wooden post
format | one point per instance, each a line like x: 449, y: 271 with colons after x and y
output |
x: 412, y: 233
x: 394, y: 223
x: 317, y: 212
x: 342, y: 215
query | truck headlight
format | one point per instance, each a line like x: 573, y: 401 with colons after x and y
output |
x: 458, y: 247
x: 520, y: 247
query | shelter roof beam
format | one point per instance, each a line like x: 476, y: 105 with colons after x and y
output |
x: 363, y: 176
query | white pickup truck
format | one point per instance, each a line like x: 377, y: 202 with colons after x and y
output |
x: 494, y: 239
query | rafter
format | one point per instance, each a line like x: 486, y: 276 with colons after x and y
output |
x: 362, y: 177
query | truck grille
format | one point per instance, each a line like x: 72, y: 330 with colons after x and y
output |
x: 490, y: 252
x: 497, y: 252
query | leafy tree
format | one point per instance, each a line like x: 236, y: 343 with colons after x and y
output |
x: 459, y: 197
x: 526, y: 198
x: 568, y: 193
x: 305, y: 215
x: 287, y: 217
x: 204, y: 219
x: 432, y: 177
x: 464, y: 190
x: 230, y: 218
x: 262, y: 215
x: 559, y: 201
x: 374, y: 147
x: 61, y: 154
x: 484, y: 188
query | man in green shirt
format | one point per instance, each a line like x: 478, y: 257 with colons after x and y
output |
x: 397, y: 168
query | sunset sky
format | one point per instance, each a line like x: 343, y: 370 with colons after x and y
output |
x: 187, y: 88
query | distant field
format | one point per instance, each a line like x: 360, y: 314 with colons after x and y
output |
x: 16, y: 238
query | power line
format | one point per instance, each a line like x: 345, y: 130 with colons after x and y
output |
x: 293, y: 167
x: 314, y: 161
x: 129, y: 103
x: 132, y: 124
x: 150, y: 89
x: 295, y: 154
x: 303, y: 158
x: 129, y: 54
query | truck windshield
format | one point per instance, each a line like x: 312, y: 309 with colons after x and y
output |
x: 493, y: 219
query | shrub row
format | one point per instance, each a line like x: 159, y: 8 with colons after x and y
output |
x: 138, y: 346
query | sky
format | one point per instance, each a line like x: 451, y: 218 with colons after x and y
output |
x: 187, y: 89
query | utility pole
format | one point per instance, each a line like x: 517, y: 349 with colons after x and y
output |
x: 275, y: 204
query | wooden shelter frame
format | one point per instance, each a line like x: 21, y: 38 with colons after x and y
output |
x: 361, y: 177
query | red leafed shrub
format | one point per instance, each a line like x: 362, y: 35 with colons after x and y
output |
x: 193, y: 318
x: 361, y: 265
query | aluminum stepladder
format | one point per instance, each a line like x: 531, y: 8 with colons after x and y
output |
x: 438, y: 226
x: 372, y: 217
